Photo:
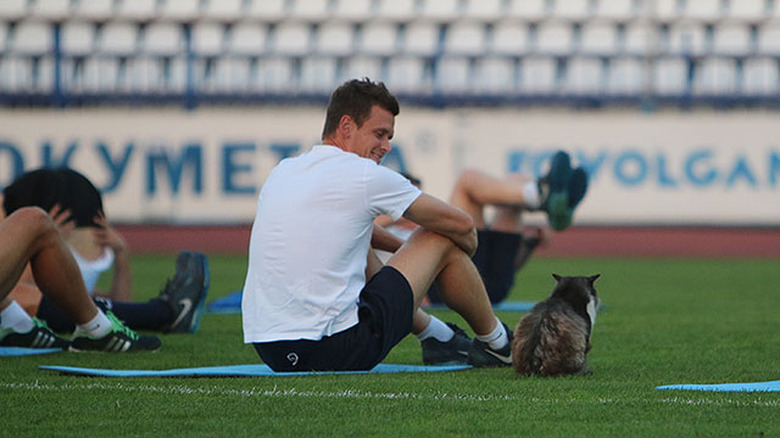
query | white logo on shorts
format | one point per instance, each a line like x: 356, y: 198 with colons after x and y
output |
x: 293, y: 358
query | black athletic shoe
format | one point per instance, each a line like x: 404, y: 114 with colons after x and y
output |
x: 454, y: 351
x: 120, y: 339
x: 186, y: 292
x: 578, y: 186
x: 481, y: 355
x: 40, y: 336
x: 554, y: 190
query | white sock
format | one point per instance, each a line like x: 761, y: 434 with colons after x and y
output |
x: 531, y: 195
x: 95, y: 328
x: 436, y: 329
x: 497, y: 339
x: 15, y: 318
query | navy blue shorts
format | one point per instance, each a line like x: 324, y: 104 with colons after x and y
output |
x: 495, y: 261
x: 385, y: 311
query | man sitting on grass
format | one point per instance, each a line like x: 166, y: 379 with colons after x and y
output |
x: 316, y: 296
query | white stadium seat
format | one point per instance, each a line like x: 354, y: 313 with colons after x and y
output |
x: 599, y: 38
x: 32, y: 38
x: 266, y: 10
x: 769, y: 39
x: 687, y: 39
x: 529, y: 10
x: 208, y: 39
x: 409, y: 75
x: 139, y: 10
x: 292, y: 39
x: 94, y: 10
x: 335, y: 39
x: 495, y: 75
x: 715, y: 76
x: 360, y: 67
x: 378, y: 38
x: 761, y: 76
x: 670, y: 76
x: 421, y: 39
x: 318, y: 74
x: 353, y: 10
x: 179, y: 10
x: 617, y: 10
x: 163, y: 39
x: 119, y: 39
x: 439, y: 10
x: 640, y: 39
x: 248, y: 39
x: 731, y: 39
x: 453, y: 74
x: 223, y: 10
x: 668, y: 10
x: 309, y: 10
x: 3, y: 36
x: 50, y: 10
x: 275, y: 75
x: 396, y: 10
x: 555, y: 38
x: 704, y: 10
x: 484, y: 10
x: 510, y: 38
x: 627, y: 76
x: 584, y: 76
x: 78, y: 38
x: 12, y: 10
x: 747, y: 10
x: 538, y: 76
x: 465, y: 38
x: 575, y: 10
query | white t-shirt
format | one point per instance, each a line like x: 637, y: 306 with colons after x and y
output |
x: 91, y: 269
x: 310, y: 241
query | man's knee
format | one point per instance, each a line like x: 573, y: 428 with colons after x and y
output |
x: 33, y: 219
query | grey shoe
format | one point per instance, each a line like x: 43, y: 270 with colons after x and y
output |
x: 481, y: 355
x: 454, y: 351
x: 186, y: 292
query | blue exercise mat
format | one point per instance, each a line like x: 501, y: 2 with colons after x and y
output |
x: 244, y: 371
x: 20, y: 351
x: 231, y: 304
x: 773, y: 386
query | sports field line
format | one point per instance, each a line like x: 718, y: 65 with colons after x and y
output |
x: 360, y: 394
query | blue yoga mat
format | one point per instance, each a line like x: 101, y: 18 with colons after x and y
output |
x: 244, y: 371
x: 773, y: 386
x: 231, y: 304
x: 20, y: 351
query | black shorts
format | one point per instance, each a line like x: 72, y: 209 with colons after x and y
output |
x: 495, y: 260
x: 385, y: 309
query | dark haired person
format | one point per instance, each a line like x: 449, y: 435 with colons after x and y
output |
x: 96, y: 246
x: 316, y: 296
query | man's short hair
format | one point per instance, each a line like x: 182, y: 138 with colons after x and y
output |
x: 355, y: 98
x: 46, y: 188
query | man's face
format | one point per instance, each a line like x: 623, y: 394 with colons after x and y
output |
x: 372, y: 139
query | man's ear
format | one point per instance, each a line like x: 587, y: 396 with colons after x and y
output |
x: 346, y: 125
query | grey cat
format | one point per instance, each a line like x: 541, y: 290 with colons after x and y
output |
x: 554, y: 338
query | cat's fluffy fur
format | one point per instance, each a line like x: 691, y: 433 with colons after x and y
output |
x: 554, y: 338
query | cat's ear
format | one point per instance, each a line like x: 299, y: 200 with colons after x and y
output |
x: 556, y: 277
x: 593, y: 278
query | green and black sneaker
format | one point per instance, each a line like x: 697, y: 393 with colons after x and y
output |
x: 120, y: 339
x: 40, y: 336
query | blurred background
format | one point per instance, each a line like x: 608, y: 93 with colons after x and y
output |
x: 178, y: 109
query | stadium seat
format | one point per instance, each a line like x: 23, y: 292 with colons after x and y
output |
x: 575, y: 10
x: 465, y: 38
x: 509, y: 38
x: 761, y: 77
x: 291, y: 39
x: 715, y: 77
x: 439, y: 10
x: 528, y: 10
x: 161, y: 74
x: 6, y: 84
x: 495, y: 75
x: 453, y: 75
x: 731, y: 39
x: 627, y: 77
x: 319, y: 74
x: 309, y: 10
x: 104, y: 74
x: 266, y: 10
x: 397, y: 10
x: 137, y: 10
x: 30, y: 74
x: 78, y: 38
x: 163, y: 39
x: 409, y: 75
x: 670, y: 76
x: 32, y: 38
x: 50, y: 10
x: 3, y: 37
x: 223, y: 10
x: 487, y: 11
x: 747, y: 10
x: 599, y: 38
x: 335, y: 39
x: 668, y: 10
x: 178, y: 10
x: 617, y: 10
x: 687, y: 39
x: 275, y: 75
x: 94, y: 10
x: 584, y: 76
x: 769, y: 39
x: 704, y: 10
x: 208, y: 39
x: 555, y: 38
x: 378, y: 38
x: 538, y: 76
x: 13, y: 10
x: 231, y: 75
x: 360, y: 67
x: 421, y: 39
x: 353, y: 10
x: 248, y: 39
x: 640, y: 39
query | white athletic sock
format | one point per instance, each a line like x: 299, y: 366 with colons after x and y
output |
x: 436, y: 329
x: 15, y: 318
x: 531, y: 195
x: 497, y: 339
x: 95, y: 328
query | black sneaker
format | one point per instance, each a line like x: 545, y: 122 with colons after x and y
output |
x: 186, y: 292
x: 454, y: 351
x: 481, y: 355
x: 41, y: 336
x: 554, y: 190
x: 120, y: 339
x: 578, y: 186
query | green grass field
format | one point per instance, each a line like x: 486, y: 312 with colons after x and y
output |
x: 666, y: 321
